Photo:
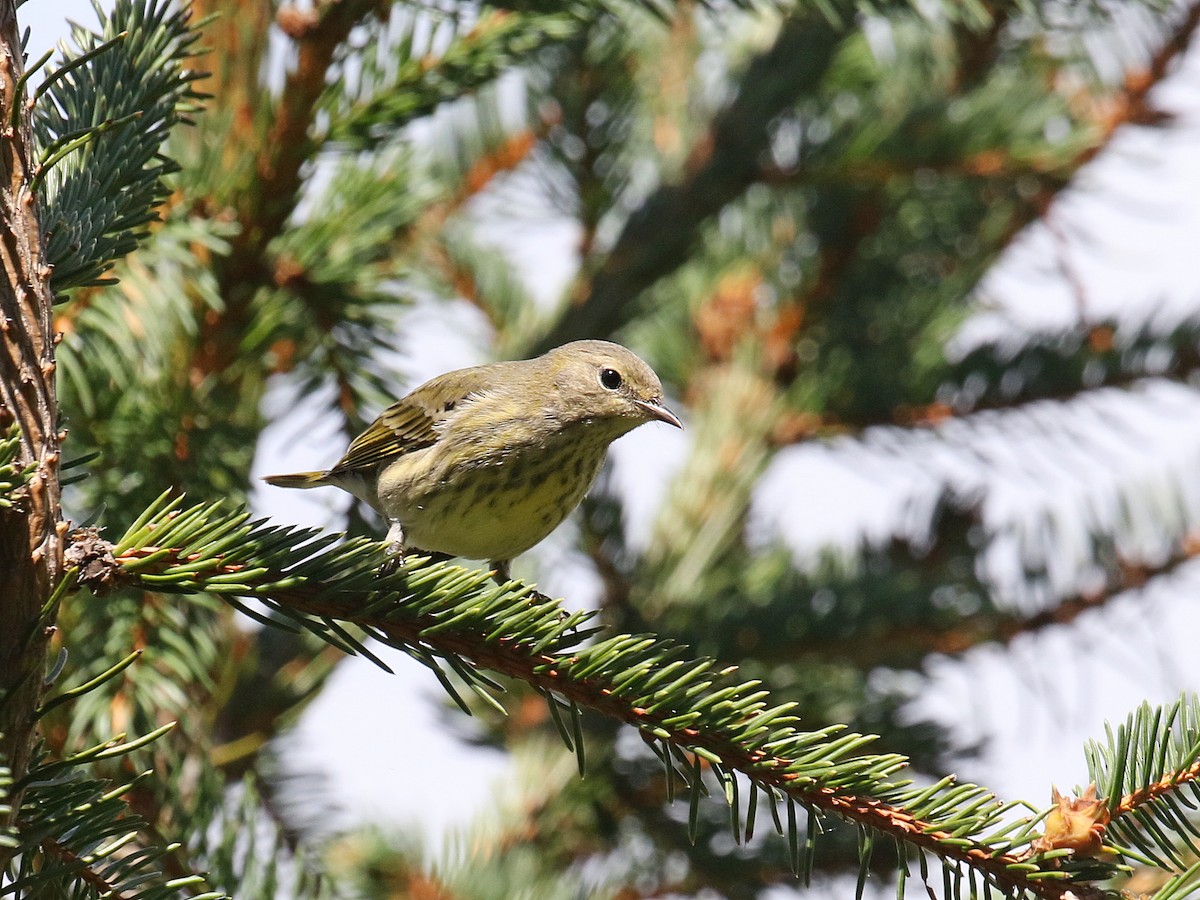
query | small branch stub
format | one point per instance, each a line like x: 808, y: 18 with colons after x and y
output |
x: 92, y: 555
x: 1075, y: 823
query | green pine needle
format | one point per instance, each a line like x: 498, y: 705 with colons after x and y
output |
x: 694, y: 710
x: 100, y: 120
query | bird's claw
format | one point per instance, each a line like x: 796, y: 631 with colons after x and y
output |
x: 393, y: 562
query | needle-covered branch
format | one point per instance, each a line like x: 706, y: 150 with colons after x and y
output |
x: 127, y: 85
x: 904, y: 641
x: 722, y: 168
x: 1148, y: 768
x: 1054, y: 366
x: 692, y: 712
x: 75, y: 828
x: 422, y: 81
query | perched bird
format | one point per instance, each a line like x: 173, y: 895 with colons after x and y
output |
x: 485, y: 462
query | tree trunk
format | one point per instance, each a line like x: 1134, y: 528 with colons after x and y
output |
x: 30, y: 530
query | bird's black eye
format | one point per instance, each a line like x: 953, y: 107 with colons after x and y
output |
x: 610, y: 378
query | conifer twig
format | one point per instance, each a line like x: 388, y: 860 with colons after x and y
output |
x: 990, y: 626
x: 82, y: 870
x: 681, y: 706
x: 1160, y: 788
x: 723, y: 165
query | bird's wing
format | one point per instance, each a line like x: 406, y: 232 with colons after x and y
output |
x: 411, y: 423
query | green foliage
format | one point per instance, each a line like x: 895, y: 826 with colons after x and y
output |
x: 1148, y: 769
x: 100, y: 121
x: 232, y: 556
x: 1182, y: 885
x: 336, y: 311
x: 691, y: 712
x: 1098, y: 354
x: 403, y: 77
x: 13, y: 475
x: 786, y: 210
x: 123, y: 365
x: 73, y: 827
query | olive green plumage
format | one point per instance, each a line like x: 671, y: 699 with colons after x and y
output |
x: 485, y: 462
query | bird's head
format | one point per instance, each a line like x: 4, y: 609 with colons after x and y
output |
x: 602, y: 381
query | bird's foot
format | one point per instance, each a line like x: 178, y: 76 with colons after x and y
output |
x: 501, y: 570
x: 390, y: 565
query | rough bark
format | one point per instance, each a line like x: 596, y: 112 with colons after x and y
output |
x: 30, y: 530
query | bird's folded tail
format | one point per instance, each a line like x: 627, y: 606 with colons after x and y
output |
x: 297, y: 480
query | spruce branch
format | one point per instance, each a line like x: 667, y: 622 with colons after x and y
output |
x: 1060, y: 365
x: 337, y: 275
x: 1132, y: 104
x: 74, y: 829
x: 1148, y: 769
x: 421, y: 83
x: 100, y: 121
x: 1046, y: 366
x: 723, y: 166
x: 903, y: 642
x: 693, y: 713
x: 607, y: 297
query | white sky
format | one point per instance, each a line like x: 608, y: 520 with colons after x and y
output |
x: 1131, y: 227
x: 46, y: 20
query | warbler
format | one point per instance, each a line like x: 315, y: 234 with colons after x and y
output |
x: 485, y: 462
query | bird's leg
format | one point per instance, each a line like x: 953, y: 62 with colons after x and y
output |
x: 395, y: 537
x: 501, y: 570
x: 395, y: 548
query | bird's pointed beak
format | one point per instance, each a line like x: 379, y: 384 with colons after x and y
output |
x: 660, y: 412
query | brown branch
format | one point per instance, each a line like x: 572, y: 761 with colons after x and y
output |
x: 1096, y: 345
x: 267, y: 139
x: 81, y: 870
x: 1131, y: 802
x: 722, y: 165
x: 991, y: 165
x: 268, y: 161
x: 1131, y: 105
x: 644, y: 253
x: 1128, y: 106
x: 288, y: 144
x: 555, y: 674
x: 31, y: 531
x: 886, y: 647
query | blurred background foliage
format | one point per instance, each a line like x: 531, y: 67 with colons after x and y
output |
x: 789, y: 210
